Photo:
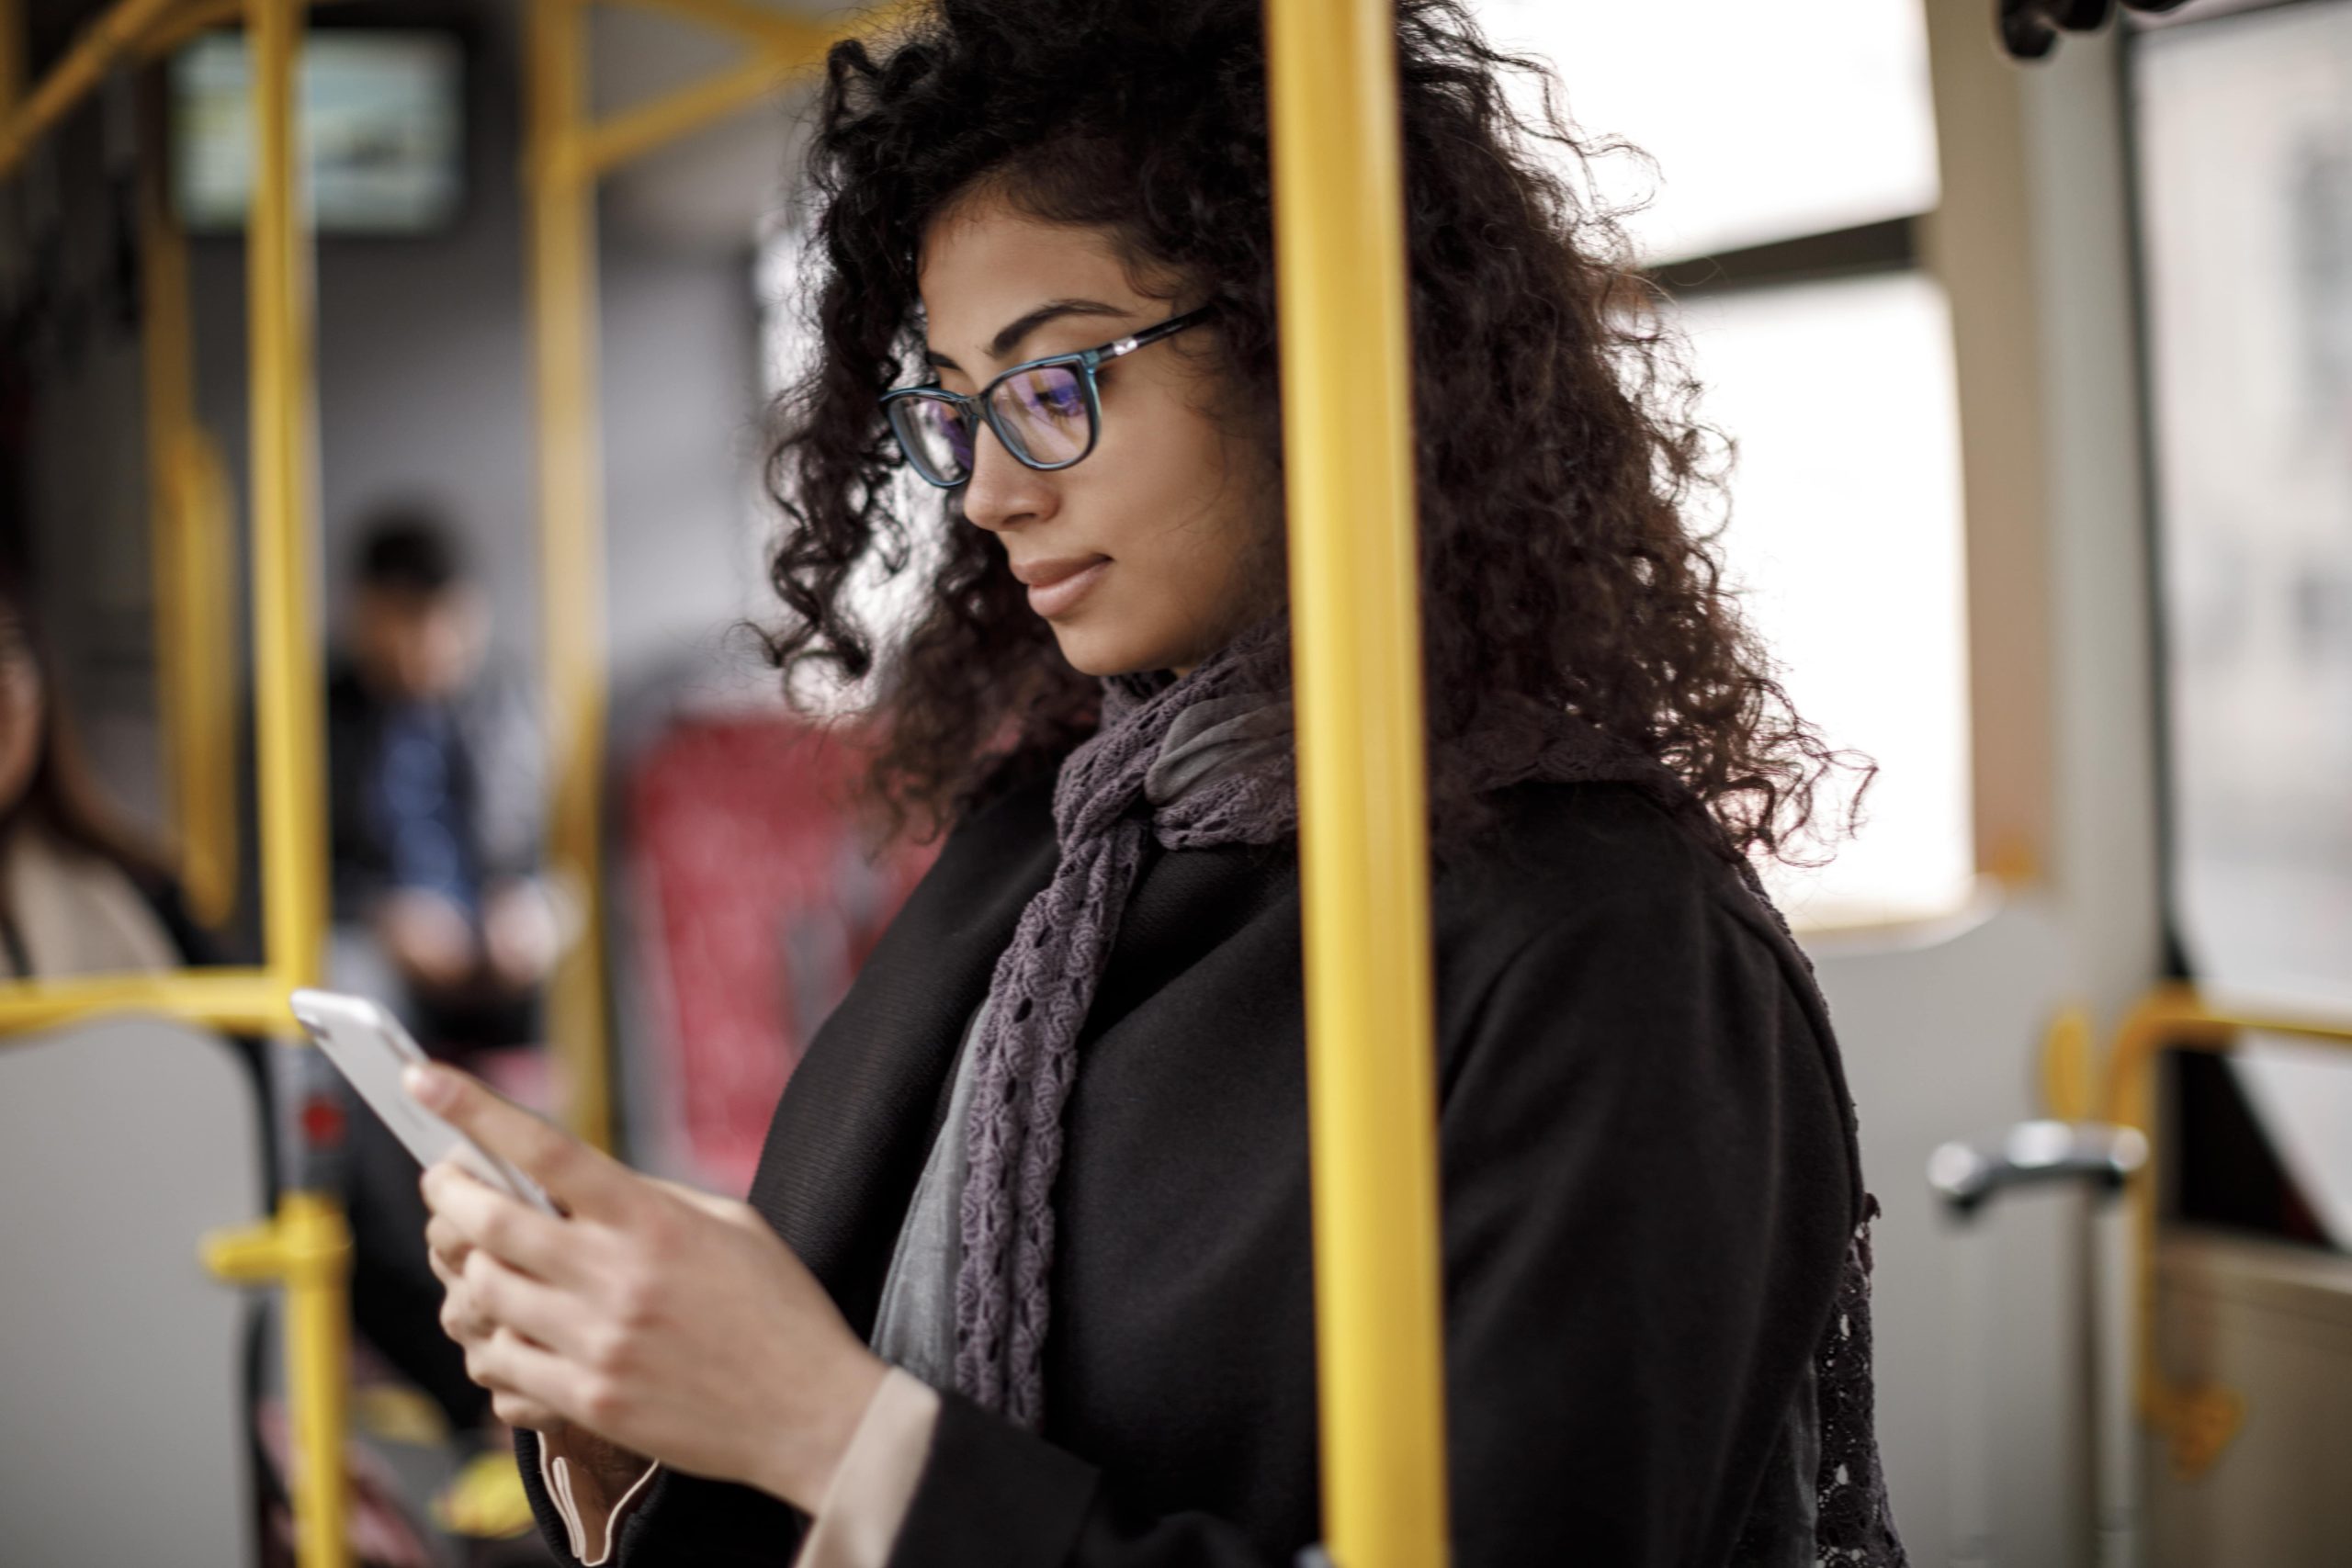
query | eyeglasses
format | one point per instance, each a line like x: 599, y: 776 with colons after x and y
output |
x: 1047, y: 412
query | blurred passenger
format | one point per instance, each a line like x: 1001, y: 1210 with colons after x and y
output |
x: 1025, y: 1276
x: 80, y: 894
x: 434, y: 780
x: 433, y: 753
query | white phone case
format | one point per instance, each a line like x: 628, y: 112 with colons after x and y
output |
x: 368, y: 1046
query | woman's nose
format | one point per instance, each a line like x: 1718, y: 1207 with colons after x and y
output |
x: 1003, y: 492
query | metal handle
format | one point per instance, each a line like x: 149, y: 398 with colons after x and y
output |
x: 2035, y: 1154
x: 2100, y: 1156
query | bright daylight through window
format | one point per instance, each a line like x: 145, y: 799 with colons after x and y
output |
x: 1845, y: 498
x: 1845, y: 509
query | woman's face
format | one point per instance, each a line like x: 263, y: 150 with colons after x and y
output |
x: 1153, y: 551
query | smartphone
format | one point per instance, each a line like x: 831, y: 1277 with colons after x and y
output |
x: 368, y: 1046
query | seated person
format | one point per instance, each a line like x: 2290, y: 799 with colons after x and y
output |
x: 80, y: 894
x: 434, y: 814
x: 435, y: 781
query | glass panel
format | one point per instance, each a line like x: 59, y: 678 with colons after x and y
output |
x: 1845, y: 535
x: 2246, y: 129
x: 2301, y: 1093
x: 1767, y: 122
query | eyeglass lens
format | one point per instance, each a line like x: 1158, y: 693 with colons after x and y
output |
x: 1041, y: 413
x: 937, y: 435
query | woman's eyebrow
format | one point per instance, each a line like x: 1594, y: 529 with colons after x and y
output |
x: 1005, y: 342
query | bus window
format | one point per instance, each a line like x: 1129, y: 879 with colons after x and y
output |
x: 2245, y: 189
x: 1790, y: 165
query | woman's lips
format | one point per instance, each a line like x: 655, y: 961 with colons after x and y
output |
x: 1055, y: 586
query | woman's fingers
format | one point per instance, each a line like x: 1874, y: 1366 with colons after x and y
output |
x: 525, y: 1375
x: 446, y: 1246
x: 461, y: 1320
x: 497, y: 1295
x: 577, y: 1177
x: 473, y: 1214
x: 517, y: 1411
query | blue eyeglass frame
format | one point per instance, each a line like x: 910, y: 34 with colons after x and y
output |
x: 981, y: 405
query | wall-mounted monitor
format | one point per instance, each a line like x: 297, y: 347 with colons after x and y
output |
x: 382, y: 130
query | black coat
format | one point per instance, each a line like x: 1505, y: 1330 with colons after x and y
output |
x: 1649, y: 1172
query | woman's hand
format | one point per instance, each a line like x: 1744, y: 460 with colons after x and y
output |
x: 669, y: 1322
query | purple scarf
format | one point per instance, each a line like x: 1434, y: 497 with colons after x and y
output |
x: 1201, y: 761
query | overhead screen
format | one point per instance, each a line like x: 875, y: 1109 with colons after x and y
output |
x: 382, y: 130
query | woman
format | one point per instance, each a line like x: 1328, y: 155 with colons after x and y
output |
x: 79, y: 893
x: 1042, y: 1289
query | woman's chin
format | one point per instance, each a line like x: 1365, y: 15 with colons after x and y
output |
x: 1084, y: 658
x: 1102, y: 652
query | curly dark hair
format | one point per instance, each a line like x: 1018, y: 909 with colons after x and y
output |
x: 1564, y: 484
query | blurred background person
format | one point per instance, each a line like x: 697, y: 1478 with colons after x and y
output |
x: 83, y: 892
x: 435, y: 813
x: 435, y: 800
x: 80, y: 892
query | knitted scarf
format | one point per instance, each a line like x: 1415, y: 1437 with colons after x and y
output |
x: 1196, y: 763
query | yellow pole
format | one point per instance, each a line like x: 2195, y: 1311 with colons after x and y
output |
x: 253, y: 1000
x: 286, y: 650
x: 663, y: 119
x: 1347, y: 417
x: 306, y: 1245
x: 83, y: 68
x: 204, y: 764
x: 190, y: 541
x: 12, y: 58
x: 289, y: 722
x: 2197, y: 1421
x: 305, y: 1251
x: 804, y: 40
x: 562, y: 195
x: 567, y: 152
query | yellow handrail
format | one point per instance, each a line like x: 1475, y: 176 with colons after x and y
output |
x: 114, y: 34
x: 244, y: 1000
x: 304, y: 1247
x: 794, y: 37
x: 286, y: 650
x: 1347, y: 430
x: 2197, y: 1421
x: 568, y: 152
x: 635, y: 131
x: 562, y: 198
x: 305, y: 1251
x: 195, y: 674
x: 288, y: 729
x: 145, y: 27
x: 12, y: 59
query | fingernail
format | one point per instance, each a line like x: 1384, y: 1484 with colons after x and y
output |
x: 431, y: 1090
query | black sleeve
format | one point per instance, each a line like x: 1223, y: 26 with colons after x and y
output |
x: 1648, y: 1192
